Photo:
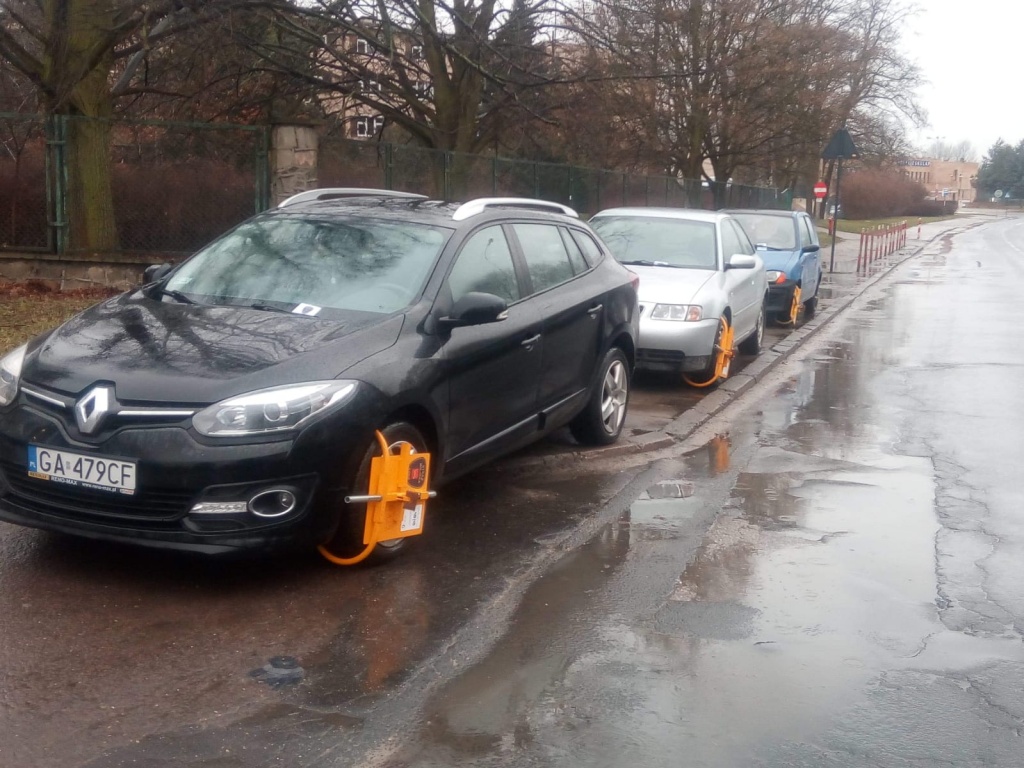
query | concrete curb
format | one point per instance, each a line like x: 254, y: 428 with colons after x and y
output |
x: 716, y: 401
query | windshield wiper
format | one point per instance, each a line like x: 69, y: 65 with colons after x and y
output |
x: 270, y: 308
x: 772, y: 247
x: 648, y: 263
x: 178, y: 296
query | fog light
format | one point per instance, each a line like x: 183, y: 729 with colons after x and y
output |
x: 272, y: 503
x: 219, y: 508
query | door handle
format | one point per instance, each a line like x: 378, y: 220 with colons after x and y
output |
x: 593, y: 311
x: 530, y: 341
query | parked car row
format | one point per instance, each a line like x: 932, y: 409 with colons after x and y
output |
x: 234, y: 401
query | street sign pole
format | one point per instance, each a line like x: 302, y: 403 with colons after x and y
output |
x: 835, y: 228
x: 840, y: 146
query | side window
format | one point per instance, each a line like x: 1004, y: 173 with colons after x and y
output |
x: 808, y: 237
x: 732, y: 242
x: 588, y: 246
x: 579, y: 264
x: 545, y: 254
x: 485, y: 264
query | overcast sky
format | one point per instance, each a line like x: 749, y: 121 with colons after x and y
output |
x: 971, y: 52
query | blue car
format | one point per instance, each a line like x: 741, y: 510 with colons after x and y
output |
x: 787, y: 242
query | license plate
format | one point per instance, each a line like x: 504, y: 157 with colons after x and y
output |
x: 97, y: 472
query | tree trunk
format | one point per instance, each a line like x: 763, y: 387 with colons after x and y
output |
x: 92, y: 226
x: 77, y: 82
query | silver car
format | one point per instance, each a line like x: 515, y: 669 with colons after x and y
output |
x: 702, y: 287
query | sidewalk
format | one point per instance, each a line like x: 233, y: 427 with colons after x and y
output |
x: 839, y: 289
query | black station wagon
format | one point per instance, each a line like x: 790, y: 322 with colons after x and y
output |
x: 231, y: 403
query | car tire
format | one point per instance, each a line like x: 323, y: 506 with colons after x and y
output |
x: 752, y: 344
x: 601, y: 421
x: 707, y: 377
x: 347, y: 539
x: 811, y: 305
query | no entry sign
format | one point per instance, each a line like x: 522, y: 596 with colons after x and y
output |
x: 820, y: 190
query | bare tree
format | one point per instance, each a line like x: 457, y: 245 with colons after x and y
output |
x: 446, y: 73
x: 82, y: 54
x: 960, y: 151
x: 756, y: 87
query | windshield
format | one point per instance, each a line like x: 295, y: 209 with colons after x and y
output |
x: 304, y: 265
x: 659, y: 241
x: 764, y: 229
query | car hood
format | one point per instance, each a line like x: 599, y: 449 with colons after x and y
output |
x: 781, y: 261
x: 153, y: 351
x: 670, y: 285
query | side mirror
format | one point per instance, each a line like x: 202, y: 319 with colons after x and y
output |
x: 810, y: 248
x: 155, y: 272
x: 740, y: 261
x: 476, y: 308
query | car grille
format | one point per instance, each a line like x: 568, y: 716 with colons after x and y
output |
x: 45, y: 497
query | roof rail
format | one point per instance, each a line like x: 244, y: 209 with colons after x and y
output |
x: 473, y: 207
x: 331, y: 193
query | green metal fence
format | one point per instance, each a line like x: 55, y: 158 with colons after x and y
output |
x: 25, y: 183
x: 174, y: 186
x: 454, y: 176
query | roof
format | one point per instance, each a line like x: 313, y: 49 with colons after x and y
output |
x: 763, y: 212
x: 416, y: 208
x: 688, y: 214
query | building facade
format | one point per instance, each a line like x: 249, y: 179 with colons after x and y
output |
x: 944, y: 179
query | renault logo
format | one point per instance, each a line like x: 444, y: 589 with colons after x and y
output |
x: 92, y: 408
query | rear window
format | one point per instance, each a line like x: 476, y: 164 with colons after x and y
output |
x: 657, y: 240
x: 772, y: 231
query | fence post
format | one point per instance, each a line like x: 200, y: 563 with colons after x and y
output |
x: 263, y: 180
x: 389, y: 166
x: 447, y: 194
x: 860, y: 250
x: 57, y: 183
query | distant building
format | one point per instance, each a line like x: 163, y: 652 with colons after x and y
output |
x: 944, y: 179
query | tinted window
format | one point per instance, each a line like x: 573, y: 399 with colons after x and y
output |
x: 650, y: 239
x: 767, y: 229
x: 579, y: 264
x: 485, y: 264
x: 355, y: 263
x: 545, y: 254
x: 590, y: 249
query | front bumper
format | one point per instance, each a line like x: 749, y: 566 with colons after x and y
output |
x: 780, y: 297
x: 176, y: 469
x: 673, y: 345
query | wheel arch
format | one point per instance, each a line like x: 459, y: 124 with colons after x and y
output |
x: 625, y: 342
x: 424, y: 422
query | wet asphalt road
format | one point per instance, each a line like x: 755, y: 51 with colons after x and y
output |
x: 840, y: 584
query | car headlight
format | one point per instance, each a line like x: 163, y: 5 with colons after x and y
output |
x: 775, y: 276
x: 272, y: 410
x: 10, y: 374
x: 690, y: 313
